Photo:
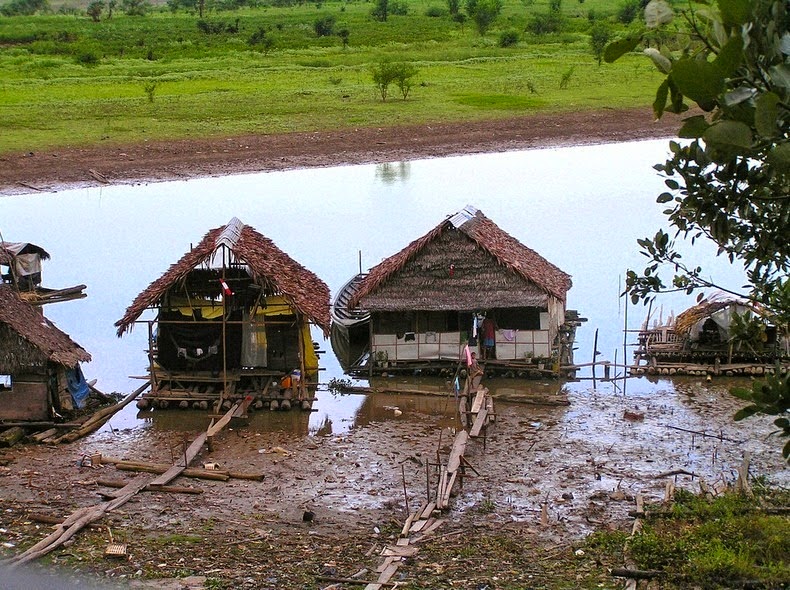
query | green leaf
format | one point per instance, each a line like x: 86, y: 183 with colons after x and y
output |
x: 779, y: 156
x: 693, y: 127
x: 730, y: 56
x: 735, y: 12
x: 701, y: 81
x: 729, y: 136
x: 616, y: 49
x: 782, y: 423
x: 766, y: 114
x: 745, y: 413
x: 664, y: 198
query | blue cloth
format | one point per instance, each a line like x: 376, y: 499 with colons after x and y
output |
x: 78, y: 388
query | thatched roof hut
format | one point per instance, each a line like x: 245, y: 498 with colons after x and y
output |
x: 465, y: 263
x: 10, y: 250
x: 266, y: 263
x: 28, y: 339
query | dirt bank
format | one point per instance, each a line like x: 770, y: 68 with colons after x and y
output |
x: 172, y: 160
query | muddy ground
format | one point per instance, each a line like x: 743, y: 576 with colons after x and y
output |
x: 176, y: 160
x: 585, y: 462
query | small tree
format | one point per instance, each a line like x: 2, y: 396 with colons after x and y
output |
x: 453, y: 6
x: 483, y: 12
x: 94, y: 10
x: 324, y: 26
x: 381, y: 10
x: 344, y: 34
x: 383, y: 75
x: 110, y: 7
x: 600, y: 33
x: 404, y: 74
x: 149, y: 87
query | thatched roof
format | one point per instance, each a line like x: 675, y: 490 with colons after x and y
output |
x: 265, y: 262
x: 687, y: 319
x: 8, y: 250
x: 490, y: 268
x: 22, y: 321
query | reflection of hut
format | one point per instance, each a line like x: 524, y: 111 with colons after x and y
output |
x: 233, y: 320
x: 426, y: 300
x: 715, y: 336
x: 40, y: 376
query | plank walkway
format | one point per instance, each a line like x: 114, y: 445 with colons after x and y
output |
x: 421, y: 524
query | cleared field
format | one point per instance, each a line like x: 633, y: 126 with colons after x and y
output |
x: 69, y: 81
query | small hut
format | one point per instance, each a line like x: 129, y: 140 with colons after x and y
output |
x: 427, y: 302
x: 232, y: 320
x: 715, y: 336
x: 40, y: 376
x: 20, y: 267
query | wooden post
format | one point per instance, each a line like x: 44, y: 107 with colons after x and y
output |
x: 594, y: 354
x: 302, y: 352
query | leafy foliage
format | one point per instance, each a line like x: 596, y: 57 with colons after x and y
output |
x: 388, y: 72
x: 24, y: 7
x: 600, y: 33
x: 324, y: 25
x: 730, y: 181
x: 770, y: 397
x: 483, y: 13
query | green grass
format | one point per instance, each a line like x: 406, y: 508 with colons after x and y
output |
x: 708, y: 543
x: 66, y: 81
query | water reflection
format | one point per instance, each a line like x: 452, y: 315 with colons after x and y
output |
x: 392, y: 172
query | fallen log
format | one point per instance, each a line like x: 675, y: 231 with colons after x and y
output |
x: 113, y: 483
x: 213, y: 474
x: 11, y: 436
x: 98, y: 419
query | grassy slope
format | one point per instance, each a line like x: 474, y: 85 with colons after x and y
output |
x: 218, y: 85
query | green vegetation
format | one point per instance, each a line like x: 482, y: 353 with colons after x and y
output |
x: 75, y: 75
x: 724, y: 542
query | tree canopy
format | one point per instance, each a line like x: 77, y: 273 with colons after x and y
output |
x: 728, y: 178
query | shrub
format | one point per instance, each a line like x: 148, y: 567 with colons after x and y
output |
x: 453, y: 6
x: 546, y: 23
x: 483, y: 12
x: 628, y: 11
x: 324, y: 25
x: 508, y: 38
x: 387, y: 72
x: 381, y: 11
x: 398, y: 7
x: 24, y: 7
x: 88, y: 58
x: 94, y: 10
x: 436, y: 11
x: 599, y: 38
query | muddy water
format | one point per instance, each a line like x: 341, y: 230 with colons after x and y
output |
x: 582, y: 208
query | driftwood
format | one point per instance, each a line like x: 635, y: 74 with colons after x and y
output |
x: 111, y: 483
x: 635, y: 574
x: 86, y: 516
x: 98, y: 419
x: 11, y: 436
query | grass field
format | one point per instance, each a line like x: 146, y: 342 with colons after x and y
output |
x: 68, y: 81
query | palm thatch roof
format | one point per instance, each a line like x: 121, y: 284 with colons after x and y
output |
x: 27, y: 337
x: 465, y: 262
x: 8, y: 250
x: 265, y: 262
x: 687, y: 319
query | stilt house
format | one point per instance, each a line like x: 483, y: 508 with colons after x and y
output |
x: 20, y: 267
x: 40, y: 377
x: 426, y: 301
x: 232, y: 319
x: 718, y: 336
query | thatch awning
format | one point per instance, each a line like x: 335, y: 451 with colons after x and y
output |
x: 490, y: 268
x: 266, y: 263
x: 8, y: 250
x: 30, y: 326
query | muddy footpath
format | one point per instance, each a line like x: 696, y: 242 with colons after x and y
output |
x: 546, y: 477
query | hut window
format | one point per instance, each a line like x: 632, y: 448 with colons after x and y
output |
x: 393, y: 323
x: 518, y: 318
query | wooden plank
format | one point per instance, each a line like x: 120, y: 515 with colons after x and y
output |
x: 479, y: 399
x: 385, y: 564
x: 399, y: 551
x: 223, y: 422
x: 459, y: 447
x: 387, y: 574
x: 403, y: 541
x: 440, y: 489
x: 417, y: 526
x: 407, y: 525
x: 428, y: 510
x: 480, y: 421
x: 449, y: 489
